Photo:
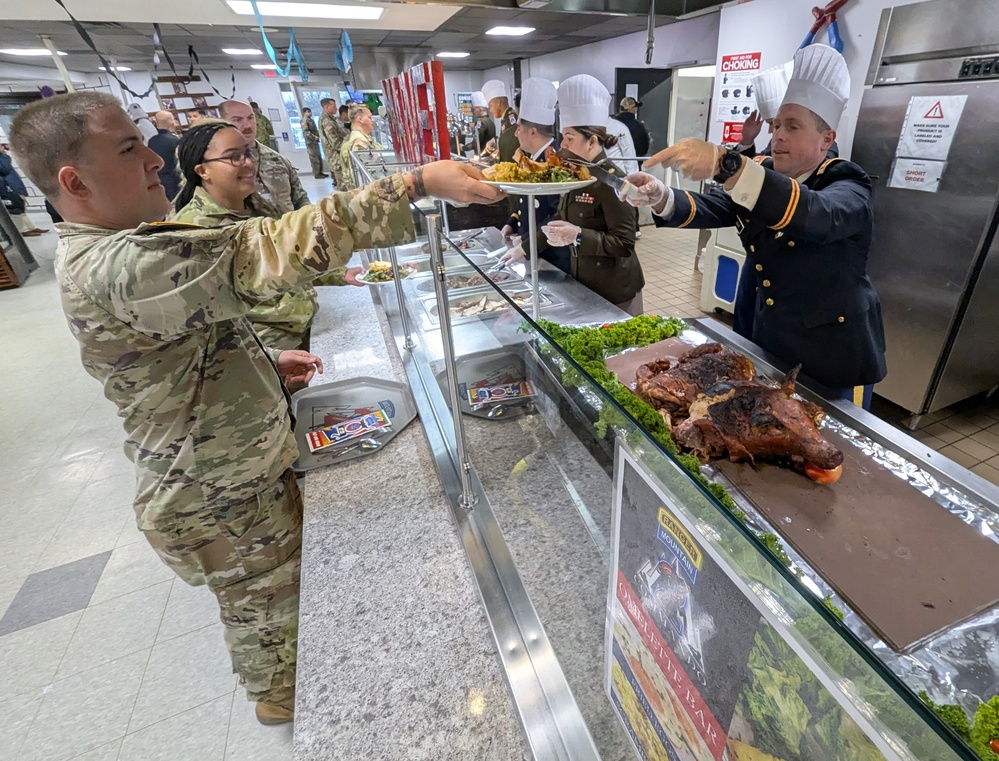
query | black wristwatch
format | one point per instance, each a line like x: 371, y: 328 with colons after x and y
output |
x: 728, y: 165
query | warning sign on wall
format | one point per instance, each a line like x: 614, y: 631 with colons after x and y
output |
x: 732, y: 132
x: 741, y: 63
x: 929, y: 126
x: 734, y: 99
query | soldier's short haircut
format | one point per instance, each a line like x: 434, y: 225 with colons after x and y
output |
x: 355, y: 110
x: 49, y: 134
x: 326, y: 101
x: 226, y: 104
x: 548, y: 130
x: 344, y: 109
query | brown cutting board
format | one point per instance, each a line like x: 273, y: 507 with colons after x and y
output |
x: 905, y: 564
x: 626, y: 364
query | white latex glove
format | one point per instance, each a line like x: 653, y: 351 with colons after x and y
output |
x: 561, y: 233
x: 693, y: 158
x: 650, y: 190
x: 513, y: 255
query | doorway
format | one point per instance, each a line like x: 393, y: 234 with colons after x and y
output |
x: 654, y: 88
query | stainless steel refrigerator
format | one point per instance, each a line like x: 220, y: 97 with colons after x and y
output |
x: 935, y: 257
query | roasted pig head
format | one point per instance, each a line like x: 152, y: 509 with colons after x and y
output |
x: 748, y: 419
x: 671, y: 387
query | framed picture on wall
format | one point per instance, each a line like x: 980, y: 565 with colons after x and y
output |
x: 179, y: 87
x: 167, y: 103
x: 199, y: 101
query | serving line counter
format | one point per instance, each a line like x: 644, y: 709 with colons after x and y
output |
x: 698, y: 645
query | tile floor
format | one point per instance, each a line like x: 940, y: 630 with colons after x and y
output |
x: 105, y: 655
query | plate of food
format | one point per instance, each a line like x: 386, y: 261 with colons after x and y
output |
x: 548, y: 177
x: 380, y: 273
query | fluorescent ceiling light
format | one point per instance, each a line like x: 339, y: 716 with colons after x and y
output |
x: 28, y: 51
x: 265, y: 66
x: 308, y: 10
x: 511, y: 31
x: 115, y: 68
x: 453, y: 55
x: 242, y: 51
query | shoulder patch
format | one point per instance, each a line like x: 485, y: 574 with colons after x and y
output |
x: 827, y: 162
x: 759, y: 159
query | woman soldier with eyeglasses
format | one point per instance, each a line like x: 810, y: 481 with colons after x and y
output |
x: 220, y: 174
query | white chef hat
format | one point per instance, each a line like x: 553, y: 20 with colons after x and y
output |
x: 537, y: 101
x: 820, y: 82
x: 479, y: 100
x: 494, y: 88
x: 769, y: 87
x: 583, y: 102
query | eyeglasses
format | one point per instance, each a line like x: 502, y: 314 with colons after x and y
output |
x: 251, y: 155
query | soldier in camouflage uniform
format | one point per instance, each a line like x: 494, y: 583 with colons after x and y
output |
x: 278, y: 177
x: 159, y: 312
x: 362, y: 124
x: 311, y: 135
x: 333, y: 132
x: 218, y: 168
x: 265, y: 130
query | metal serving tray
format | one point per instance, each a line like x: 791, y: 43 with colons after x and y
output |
x: 452, y: 261
x: 424, y: 282
x: 346, y: 399
x: 471, y: 294
x: 490, y: 368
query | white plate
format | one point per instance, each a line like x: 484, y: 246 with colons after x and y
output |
x: 404, y: 271
x: 540, y: 188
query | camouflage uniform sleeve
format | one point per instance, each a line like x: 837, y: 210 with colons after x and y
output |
x: 196, y: 276
x: 375, y: 216
x: 336, y: 276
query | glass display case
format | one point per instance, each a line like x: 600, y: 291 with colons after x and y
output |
x: 640, y: 610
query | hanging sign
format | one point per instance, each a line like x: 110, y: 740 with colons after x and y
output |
x: 929, y: 127
x: 916, y: 174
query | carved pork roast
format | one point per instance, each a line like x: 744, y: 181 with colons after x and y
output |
x: 744, y: 420
x: 671, y: 387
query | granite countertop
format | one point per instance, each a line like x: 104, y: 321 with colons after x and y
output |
x: 395, y: 656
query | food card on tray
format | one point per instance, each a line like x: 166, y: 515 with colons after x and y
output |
x: 338, y: 433
x: 504, y: 392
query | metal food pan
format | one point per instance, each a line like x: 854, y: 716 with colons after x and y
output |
x: 424, y: 282
x: 451, y: 261
x: 472, y: 294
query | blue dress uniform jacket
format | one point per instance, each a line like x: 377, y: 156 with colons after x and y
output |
x: 805, y: 281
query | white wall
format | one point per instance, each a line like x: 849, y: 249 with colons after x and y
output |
x: 777, y: 27
x: 460, y: 81
x: 694, y: 41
